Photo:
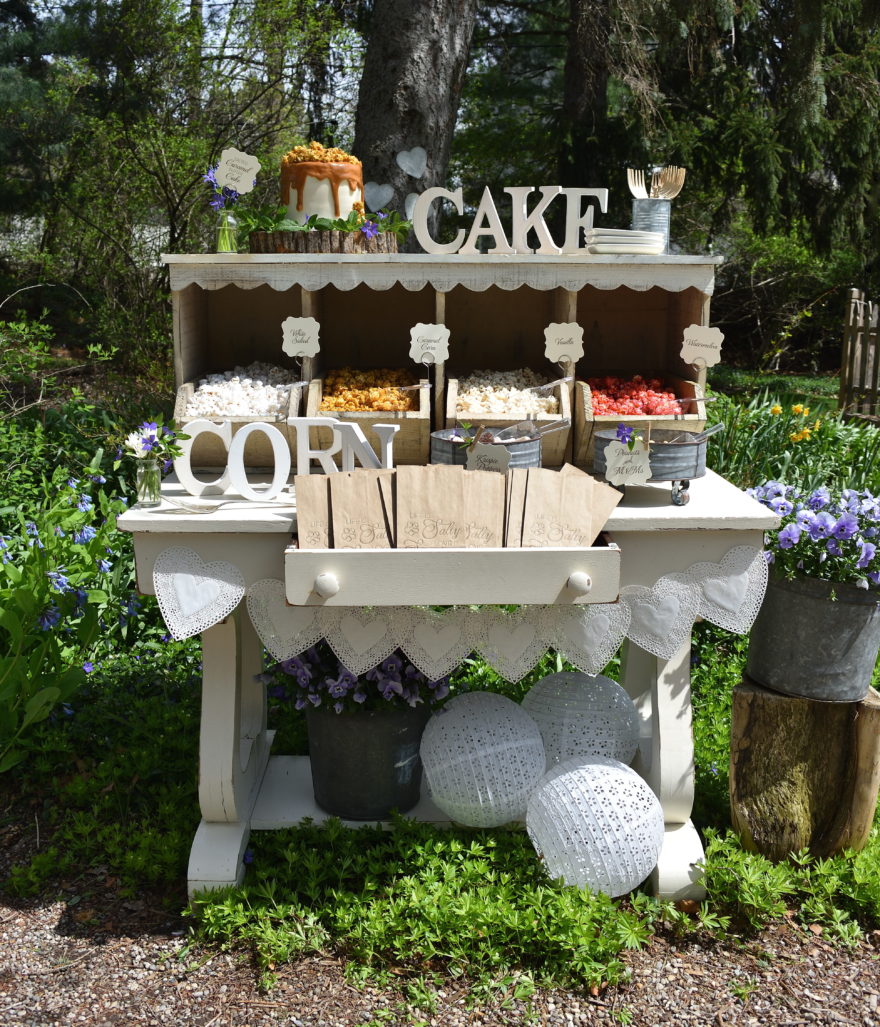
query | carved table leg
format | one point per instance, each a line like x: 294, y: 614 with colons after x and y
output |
x: 661, y: 690
x: 233, y: 750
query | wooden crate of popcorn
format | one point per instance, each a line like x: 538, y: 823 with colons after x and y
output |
x: 555, y: 446
x: 412, y: 441
x: 210, y: 451
x: 587, y: 422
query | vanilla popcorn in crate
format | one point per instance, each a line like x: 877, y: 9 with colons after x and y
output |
x: 260, y: 392
x: 500, y: 399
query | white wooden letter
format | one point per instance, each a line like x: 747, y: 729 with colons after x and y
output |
x: 488, y: 213
x: 280, y: 452
x: 575, y: 221
x: 523, y: 221
x: 304, y: 454
x: 182, y: 467
x: 420, y: 219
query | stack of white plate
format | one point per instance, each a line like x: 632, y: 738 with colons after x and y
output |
x: 621, y: 240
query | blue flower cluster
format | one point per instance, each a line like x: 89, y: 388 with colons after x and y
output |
x: 823, y: 535
x: 220, y: 197
x: 320, y: 679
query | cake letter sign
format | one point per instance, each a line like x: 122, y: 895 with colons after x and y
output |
x: 487, y: 222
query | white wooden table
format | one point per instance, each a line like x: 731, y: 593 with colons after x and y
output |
x: 242, y: 789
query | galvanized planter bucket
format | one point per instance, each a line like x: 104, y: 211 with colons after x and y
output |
x: 805, y: 643
x: 669, y: 461
x: 365, y: 763
x: 444, y: 451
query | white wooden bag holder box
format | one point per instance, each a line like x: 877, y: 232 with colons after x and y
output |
x: 242, y: 788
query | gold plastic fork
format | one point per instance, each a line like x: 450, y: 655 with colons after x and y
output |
x: 636, y: 181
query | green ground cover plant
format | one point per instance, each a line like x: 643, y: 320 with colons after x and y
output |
x: 111, y: 772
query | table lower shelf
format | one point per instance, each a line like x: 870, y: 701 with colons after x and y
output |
x: 286, y: 798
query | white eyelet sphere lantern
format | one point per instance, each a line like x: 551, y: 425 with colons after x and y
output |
x: 482, y: 756
x: 596, y: 825
x: 583, y: 715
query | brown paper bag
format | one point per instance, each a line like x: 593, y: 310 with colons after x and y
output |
x: 605, y: 499
x: 312, y: 493
x: 357, y: 510
x: 557, y: 509
x: 517, y: 478
x: 442, y: 506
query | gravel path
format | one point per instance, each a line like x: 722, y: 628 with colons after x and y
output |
x: 127, y: 964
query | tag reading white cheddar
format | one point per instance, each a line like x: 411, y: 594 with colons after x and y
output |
x: 563, y: 342
x: 429, y: 344
x: 625, y: 466
x: 702, y: 345
x: 299, y: 336
x: 237, y: 170
x: 488, y: 458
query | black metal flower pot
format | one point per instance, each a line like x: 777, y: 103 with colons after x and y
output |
x: 365, y: 763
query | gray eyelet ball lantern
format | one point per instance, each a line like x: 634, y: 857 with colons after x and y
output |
x: 596, y: 825
x: 482, y: 756
x: 582, y: 715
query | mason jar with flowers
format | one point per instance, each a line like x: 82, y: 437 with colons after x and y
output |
x: 817, y: 634
x: 364, y: 731
x: 154, y: 446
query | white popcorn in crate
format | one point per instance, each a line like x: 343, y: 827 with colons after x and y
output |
x: 596, y: 824
x: 482, y: 755
x: 258, y: 390
x: 583, y: 715
x: 508, y: 393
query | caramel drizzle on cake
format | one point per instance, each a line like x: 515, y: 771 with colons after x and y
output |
x: 294, y: 175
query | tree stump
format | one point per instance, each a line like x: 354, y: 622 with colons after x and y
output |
x: 804, y: 774
x: 321, y: 242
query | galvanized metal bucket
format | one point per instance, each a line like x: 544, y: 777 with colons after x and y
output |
x: 816, y: 639
x: 444, y: 451
x: 366, y: 763
x: 674, y: 456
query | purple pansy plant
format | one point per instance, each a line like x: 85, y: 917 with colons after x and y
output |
x: 823, y: 534
x: 317, y: 678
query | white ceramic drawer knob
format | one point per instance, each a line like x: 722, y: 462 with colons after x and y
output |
x: 580, y: 582
x: 326, y: 584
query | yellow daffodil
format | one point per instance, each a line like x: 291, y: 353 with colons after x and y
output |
x: 798, y: 408
x: 816, y: 424
x: 806, y: 411
x: 776, y: 410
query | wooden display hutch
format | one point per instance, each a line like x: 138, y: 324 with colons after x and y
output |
x: 228, y: 309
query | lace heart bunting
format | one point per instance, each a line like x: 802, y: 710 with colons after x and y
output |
x: 194, y: 595
x: 731, y: 592
x: 661, y: 617
x: 588, y: 636
x: 284, y: 630
x: 362, y: 638
x: 436, y: 642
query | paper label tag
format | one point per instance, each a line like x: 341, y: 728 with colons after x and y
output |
x: 429, y: 344
x: 299, y: 336
x: 237, y: 170
x: 488, y: 458
x: 563, y: 342
x: 701, y: 345
x: 625, y: 466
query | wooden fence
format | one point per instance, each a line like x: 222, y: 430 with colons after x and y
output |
x: 859, y: 394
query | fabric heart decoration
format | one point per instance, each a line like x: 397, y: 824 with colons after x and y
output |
x: 661, y: 617
x: 378, y: 196
x: 193, y: 595
x: 588, y: 636
x: 361, y: 639
x: 731, y: 592
x: 512, y: 643
x: 413, y: 161
x: 284, y: 630
x: 436, y: 642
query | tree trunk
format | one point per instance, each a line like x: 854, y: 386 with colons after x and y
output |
x: 409, y: 93
x: 803, y: 773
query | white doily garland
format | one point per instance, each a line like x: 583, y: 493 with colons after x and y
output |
x: 731, y: 592
x: 194, y: 595
x: 659, y: 619
x: 284, y: 630
x: 589, y: 635
x: 435, y: 642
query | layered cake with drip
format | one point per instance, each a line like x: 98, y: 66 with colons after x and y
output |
x: 320, y: 180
